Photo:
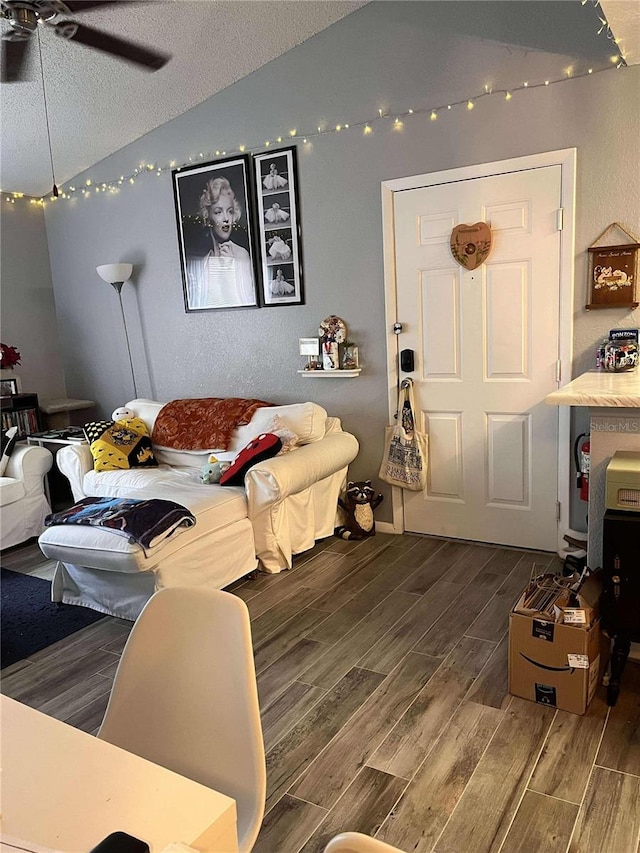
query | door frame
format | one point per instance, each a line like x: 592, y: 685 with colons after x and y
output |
x: 566, y: 159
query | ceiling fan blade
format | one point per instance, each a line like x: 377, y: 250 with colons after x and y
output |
x: 92, y: 37
x: 14, y: 53
x: 85, y: 5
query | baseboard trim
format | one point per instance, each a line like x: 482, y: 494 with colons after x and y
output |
x: 387, y: 527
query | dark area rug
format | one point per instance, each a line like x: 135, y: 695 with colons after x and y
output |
x: 30, y: 621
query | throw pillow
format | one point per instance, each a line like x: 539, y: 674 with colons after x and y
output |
x: 263, y: 447
x: 287, y: 436
x: 9, y: 439
x: 125, y: 444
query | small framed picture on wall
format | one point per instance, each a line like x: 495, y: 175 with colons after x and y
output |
x: 216, y: 234
x: 276, y: 179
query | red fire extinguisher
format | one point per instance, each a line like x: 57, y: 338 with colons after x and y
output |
x: 582, y: 458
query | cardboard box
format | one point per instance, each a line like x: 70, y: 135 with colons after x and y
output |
x: 554, y: 663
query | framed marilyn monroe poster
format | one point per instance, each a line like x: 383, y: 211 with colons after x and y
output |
x: 216, y: 234
x: 276, y: 182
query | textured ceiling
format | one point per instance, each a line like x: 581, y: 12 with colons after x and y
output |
x: 98, y: 104
x: 623, y: 17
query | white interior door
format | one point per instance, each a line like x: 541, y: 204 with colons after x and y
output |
x: 486, y: 346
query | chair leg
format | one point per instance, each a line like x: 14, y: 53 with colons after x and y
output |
x: 619, y: 655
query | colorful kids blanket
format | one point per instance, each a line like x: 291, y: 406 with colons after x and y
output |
x: 147, y: 522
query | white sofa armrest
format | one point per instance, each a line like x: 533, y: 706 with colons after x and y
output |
x: 29, y: 463
x: 273, y: 480
x: 74, y: 461
x: 282, y: 494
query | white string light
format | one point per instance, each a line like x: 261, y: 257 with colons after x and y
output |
x: 414, y: 113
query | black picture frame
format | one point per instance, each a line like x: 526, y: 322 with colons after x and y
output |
x: 8, y: 387
x: 280, y: 236
x: 217, y: 261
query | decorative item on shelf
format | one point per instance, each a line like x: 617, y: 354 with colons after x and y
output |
x: 471, y: 244
x: 620, y: 354
x: 10, y: 382
x: 613, y: 272
x: 8, y: 385
x: 349, y: 356
x: 311, y: 348
x: 332, y: 331
x: 9, y: 356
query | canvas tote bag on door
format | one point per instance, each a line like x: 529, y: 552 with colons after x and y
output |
x: 404, y: 462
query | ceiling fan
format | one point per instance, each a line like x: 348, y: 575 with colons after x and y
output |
x: 24, y: 16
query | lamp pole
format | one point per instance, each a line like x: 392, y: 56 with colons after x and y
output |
x: 117, y: 285
x: 116, y: 275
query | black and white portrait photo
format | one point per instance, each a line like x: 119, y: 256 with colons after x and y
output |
x: 217, y: 249
x: 278, y: 246
x: 282, y: 285
x: 279, y: 227
x: 276, y: 210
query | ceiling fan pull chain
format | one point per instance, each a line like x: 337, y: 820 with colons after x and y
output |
x: 46, y: 117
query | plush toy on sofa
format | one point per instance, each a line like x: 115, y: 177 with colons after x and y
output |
x: 212, y: 471
x: 358, y: 505
x: 122, y: 414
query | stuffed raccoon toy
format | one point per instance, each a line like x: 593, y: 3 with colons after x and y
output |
x: 358, y: 505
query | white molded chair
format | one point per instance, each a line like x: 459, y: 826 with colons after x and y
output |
x: 185, y: 697
x: 355, y: 842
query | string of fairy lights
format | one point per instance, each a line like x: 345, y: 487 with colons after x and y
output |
x: 395, y: 121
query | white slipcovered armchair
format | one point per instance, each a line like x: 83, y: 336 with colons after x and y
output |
x: 23, y: 505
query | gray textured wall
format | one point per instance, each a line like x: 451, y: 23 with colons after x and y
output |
x: 390, y: 55
x: 28, y: 317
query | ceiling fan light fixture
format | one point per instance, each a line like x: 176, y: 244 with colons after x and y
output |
x: 22, y: 19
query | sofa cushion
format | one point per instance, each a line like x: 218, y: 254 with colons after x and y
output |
x: 215, y: 509
x: 307, y: 420
x: 287, y: 436
x: 262, y: 447
x: 125, y: 444
x: 11, y: 490
x: 148, y: 410
x: 190, y: 458
x: 213, y: 506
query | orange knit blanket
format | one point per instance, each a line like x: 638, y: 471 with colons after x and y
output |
x: 205, y: 423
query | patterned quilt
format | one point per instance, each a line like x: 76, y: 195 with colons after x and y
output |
x: 205, y: 423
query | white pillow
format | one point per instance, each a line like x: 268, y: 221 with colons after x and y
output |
x: 287, y: 436
x: 147, y: 410
x: 9, y: 439
x: 307, y: 420
x: 189, y: 458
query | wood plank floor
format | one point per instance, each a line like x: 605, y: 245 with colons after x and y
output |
x: 382, y: 680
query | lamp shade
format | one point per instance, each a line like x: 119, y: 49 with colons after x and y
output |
x: 113, y: 273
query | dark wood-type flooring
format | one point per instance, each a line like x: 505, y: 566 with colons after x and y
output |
x: 382, y: 674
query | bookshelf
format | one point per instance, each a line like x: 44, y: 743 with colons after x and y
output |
x: 20, y: 410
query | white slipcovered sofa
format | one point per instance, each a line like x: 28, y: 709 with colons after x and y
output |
x: 287, y: 503
x: 23, y: 504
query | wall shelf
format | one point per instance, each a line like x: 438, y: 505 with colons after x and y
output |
x: 332, y: 374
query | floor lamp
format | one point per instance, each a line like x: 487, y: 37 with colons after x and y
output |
x: 116, y: 275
